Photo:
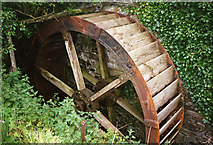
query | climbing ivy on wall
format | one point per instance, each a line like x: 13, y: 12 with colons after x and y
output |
x: 186, y: 33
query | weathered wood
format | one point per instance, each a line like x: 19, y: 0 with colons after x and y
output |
x: 160, y: 81
x: 169, y: 122
x: 123, y: 82
x: 124, y: 31
x: 153, y: 67
x: 168, y: 109
x: 106, y: 123
x: 140, y: 44
x: 131, y: 41
x: 132, y: 110
x: 86, y: 75
x: 111, y: 113
x: 115, y: 72
x: 102, y: 61
x: 90, y: 15
x: 89, y: 77
x: 74, y: 60
x: 146, y: 53
x: 165, y: 137
x: 106, y: 89
x: 57, y: 82
x: 112, y: 23
x: 101, y: 18
x: 166, y: 94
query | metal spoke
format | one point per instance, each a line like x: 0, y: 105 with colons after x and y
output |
x: 57, y: 82
x: 131, y: 109
x: 74, y: 60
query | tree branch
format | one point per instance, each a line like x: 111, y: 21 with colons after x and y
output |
x: 24, y: 13
x: 12, y: 55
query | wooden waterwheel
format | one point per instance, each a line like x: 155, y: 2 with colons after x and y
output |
x: 118, y: 51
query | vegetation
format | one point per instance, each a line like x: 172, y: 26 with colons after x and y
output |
x: 186, y: 33
x: 28, y: 119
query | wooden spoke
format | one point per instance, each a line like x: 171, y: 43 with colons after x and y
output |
x: 74, y: 60
x: 89, y: 77
x: 132, y: 110
x: 102, y: 61
x: 107, y: 88
x: 111, y: 113
x: 86, y: 75
x: 106, y: 123
x: 55, y: 81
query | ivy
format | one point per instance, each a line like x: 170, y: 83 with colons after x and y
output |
x: 186, y: 33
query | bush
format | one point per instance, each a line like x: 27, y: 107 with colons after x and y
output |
x: 186, y: 31
x: 28, y: 119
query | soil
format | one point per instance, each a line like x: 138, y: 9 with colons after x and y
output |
x: 194, y: 130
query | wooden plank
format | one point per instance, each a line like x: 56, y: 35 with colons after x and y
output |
x: 131, y: 41
x: 74, y: 60
x: 131, y: 109
x: 105, y: 89
x: 168, y: 109
x: 160, y: 81
x: 101, y: 18
x: 140, y: 44
x: 169, y: 122
x: 171, y: 140
x: 145, y: 53
x: 125, y: 31
x: 106, y: 123
x: 113, y: 23
x: 170, y: 132
x: 90, y: 15
x: 166, y: 94
x: 57, y: 82
x: 153, y: 67
x: 102, y: 61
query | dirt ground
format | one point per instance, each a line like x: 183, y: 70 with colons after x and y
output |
x: 194, y: 131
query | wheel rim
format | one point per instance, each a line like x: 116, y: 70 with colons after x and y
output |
x: 85, y: 27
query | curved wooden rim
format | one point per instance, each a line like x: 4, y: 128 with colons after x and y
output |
x: 73, y: 23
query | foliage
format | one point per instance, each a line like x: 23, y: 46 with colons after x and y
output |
x: 186, y: 31
x: 14, y: 14
x: 28, y: 119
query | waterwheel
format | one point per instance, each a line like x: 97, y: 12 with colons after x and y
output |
x: 105, y: 52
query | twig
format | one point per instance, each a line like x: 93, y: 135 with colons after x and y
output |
x: 56, y: 15
x: 114, y: 136
x: 24, y: 13
x: 45, y: 17
x: 124, y: 126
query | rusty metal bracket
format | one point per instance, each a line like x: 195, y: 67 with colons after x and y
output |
x: 151, y: 123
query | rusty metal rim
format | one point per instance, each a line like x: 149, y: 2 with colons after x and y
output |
x: 90, y: 29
